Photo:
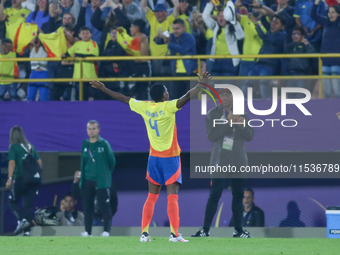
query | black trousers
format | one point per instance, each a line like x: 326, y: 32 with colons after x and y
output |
x: 216, y: 189
x: 28, y: 193
x: 89, y: 192
x: 59, y: 89
x: 140, y: 90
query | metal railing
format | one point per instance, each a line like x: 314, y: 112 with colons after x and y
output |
x: 320, y: 76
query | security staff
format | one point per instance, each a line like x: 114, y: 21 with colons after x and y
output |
x: 97, y: 164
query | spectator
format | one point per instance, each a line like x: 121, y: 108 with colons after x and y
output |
x: 39, y: 71
x: 14, y: 16
x: 62, y: 91
x: 63, y: 205
x: 180, y: 43
x: 133, y: 11
x: 141, y: 68
x: 299, y: 66
x: 71, y: 6
x: 70, y: 216
x: 184, y: 14
x: 253, y: 216
x: 287, y: 12
x: 273, y: 43
x: 199, y: 30
x: 159, y: 19
x: 116, y: 17
x: 84, y: 48
x: 330, y: 44
x: 19, y: 146
x: 91, y: 9
x: 8, y: 70
x: 40, y: 15
x: 224, y: 42
x: 113, y: 68
x: 252, y: 42
x: 303, y: 18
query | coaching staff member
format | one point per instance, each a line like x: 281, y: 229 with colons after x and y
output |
x: 97, y: 163
x: 228, y: 147
x: 19, y: 148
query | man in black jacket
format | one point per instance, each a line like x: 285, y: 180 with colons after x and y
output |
x: 299, y: 66
x: 228, y: 148
x: 253, y: 216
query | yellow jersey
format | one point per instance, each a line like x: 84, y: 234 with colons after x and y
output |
x: 186, y: 20
x: 8, y: 70
x: 25, y: 33
x: 54, y: 43
x: 89, y: 68
x: 14, y: 19
x: 160, y: 122
x: 252, y: 41
x: 221, y: 44
x: 166, y: 25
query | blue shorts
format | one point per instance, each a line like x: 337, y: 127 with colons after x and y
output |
x: 164, y: 171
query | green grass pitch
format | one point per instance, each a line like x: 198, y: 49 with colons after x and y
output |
x: 161, y: 245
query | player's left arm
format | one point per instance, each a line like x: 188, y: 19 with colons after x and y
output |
x: 192, y: 92
x: 118, y: 96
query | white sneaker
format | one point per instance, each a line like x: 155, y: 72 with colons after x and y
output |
x: 178, y: 239
x: 105, y: 233
x: 85, y: 234
x: 145, y: 238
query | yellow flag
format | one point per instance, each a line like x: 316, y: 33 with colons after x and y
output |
x: 54, y: 43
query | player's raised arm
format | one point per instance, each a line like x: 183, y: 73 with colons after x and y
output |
x: 118, y: 96
x: 192, y: 92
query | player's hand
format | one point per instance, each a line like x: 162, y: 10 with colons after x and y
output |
x: 338, y: 115
x: 97, y: 85
x: 9, y: 183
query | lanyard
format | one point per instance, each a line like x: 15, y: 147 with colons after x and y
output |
x: 91, y: 156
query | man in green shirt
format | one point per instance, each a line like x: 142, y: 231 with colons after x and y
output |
x: 97, y: 164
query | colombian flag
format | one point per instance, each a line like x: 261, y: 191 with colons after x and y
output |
x: 129, y: 44
x: 54, y: 43
x: 24, y: 35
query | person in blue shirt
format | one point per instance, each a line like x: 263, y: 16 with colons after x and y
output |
x: 330, y: 44
x: 96, y: 5
x: 303, y: 18
x: 179, y: 43
x: 40, y: 15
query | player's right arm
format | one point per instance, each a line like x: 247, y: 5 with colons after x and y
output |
x: 192, y: 92
x: 118, y: 96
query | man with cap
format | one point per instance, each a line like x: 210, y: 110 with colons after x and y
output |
x: 160, y: 22
x: 228, y: 148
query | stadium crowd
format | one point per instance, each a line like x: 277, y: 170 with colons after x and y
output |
x: 83, y: 28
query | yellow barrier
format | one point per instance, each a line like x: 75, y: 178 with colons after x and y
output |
x: 198, y: 57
